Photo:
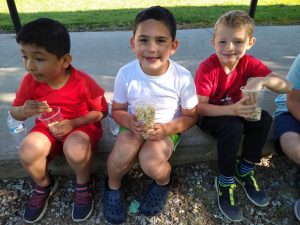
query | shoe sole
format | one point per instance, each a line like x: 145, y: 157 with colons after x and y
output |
x: 295, y: 209
x: 46, y: 204
x: 216, y: 188
x: 248, y: 196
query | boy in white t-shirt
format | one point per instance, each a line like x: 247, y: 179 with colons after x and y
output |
x: 152, y: 77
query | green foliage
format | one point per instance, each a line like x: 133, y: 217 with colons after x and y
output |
x: 119, y: 14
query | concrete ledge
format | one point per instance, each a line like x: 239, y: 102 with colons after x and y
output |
x: 195, y: 146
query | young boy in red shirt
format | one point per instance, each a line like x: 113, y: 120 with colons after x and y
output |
x: 52, y: 81
x: 218, y: 81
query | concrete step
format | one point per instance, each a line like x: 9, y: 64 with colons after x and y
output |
x: 195, y: 146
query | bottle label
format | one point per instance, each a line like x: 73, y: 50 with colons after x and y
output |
x: 17, y: 129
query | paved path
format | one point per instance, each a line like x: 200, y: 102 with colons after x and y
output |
x: 101, y: 54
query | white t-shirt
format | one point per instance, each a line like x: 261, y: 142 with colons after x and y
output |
x: 169, y: 92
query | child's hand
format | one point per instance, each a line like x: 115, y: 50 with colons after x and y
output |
x: 61, y: 129
x: 34, y: 107
x: 242, y: 109
x: 135, y: 126
x: 157, y: 133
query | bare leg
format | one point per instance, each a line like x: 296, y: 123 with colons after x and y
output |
x: 153, y: 159
x: 33, y: 156
x: 77, y: 150
x: 290, y: 144
x: 122, y: 158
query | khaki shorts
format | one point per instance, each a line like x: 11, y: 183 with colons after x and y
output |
x: 175, y: 138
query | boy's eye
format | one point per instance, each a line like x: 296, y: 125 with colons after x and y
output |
x: 39, y: 59
x: 143, y: 40
x: 239, y: 42
x: 24, y: 56
x: 161, y: 40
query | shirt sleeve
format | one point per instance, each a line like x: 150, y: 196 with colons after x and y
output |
x: 96, y: 98
x: 120, y: 93
x: 258, y: 68
x: 294, y: 73
x: 23, y: 92
x: 188, y: 95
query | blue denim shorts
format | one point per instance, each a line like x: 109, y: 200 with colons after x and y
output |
x: 283, y: 123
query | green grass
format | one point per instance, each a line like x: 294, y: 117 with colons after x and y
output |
x: 79, y: 15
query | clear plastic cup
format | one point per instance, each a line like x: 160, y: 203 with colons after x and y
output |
x: 255, y: 97
x: 51, y: 118
x: 145, y: 114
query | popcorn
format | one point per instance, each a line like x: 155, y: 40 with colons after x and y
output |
x: 145, y: 114
x: 256, y: 114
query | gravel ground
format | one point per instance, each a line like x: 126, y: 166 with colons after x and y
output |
x: 192, y: 200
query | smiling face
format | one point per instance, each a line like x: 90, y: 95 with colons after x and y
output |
x: 45, y: 67
x: 153, y: 45
x: 231, y: 45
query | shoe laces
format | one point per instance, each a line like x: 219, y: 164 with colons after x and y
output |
x: 231, y: 188
x: 83, y: 195
x: 251, y: 175
x: 39, y: 197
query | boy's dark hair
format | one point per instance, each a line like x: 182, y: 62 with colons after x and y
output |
x: 47, y: 33
x: 236, y: 19
x: 157, y: 13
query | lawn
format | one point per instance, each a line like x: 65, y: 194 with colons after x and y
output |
x: 79, y: 15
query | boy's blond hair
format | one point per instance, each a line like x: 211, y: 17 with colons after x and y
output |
x: 236, y: 19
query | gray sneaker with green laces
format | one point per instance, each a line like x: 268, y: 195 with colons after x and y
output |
x: 226, y: 201
x: 253, y: 192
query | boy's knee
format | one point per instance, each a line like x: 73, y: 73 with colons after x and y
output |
x: 77, y: 143
x: 31, y: 150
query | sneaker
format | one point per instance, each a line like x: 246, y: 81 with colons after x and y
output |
x: 38, y: 203
x: 226, y: 202
x: 253, y: 192
x: 83, y: 201
x: 297, y: 209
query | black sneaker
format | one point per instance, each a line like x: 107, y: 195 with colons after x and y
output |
x: 226, y: 202
x: 250, y: 186
x: 38, y: 203
x: 83, y: 201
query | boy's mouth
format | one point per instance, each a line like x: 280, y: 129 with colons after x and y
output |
x: 151, y: 59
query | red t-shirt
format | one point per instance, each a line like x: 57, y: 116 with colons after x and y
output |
x: 80, y: 95
x: 212, y: 81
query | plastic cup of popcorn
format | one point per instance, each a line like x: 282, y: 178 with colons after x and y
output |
x: 51, y: 118
x: 145, y: 114
x: 255, y: 97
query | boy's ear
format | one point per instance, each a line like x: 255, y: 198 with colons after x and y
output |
x: 132, y: 42
x: 251, y: 42
x: 213, y: 43
x: 175, y: 45
x: 66, y: 60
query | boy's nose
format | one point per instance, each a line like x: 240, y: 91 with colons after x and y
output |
x: 151, y: 46
x: 30, y: 65
x: 229, y: 46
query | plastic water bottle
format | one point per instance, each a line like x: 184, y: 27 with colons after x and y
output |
x: 114, y: 126
x: 17, y: 129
